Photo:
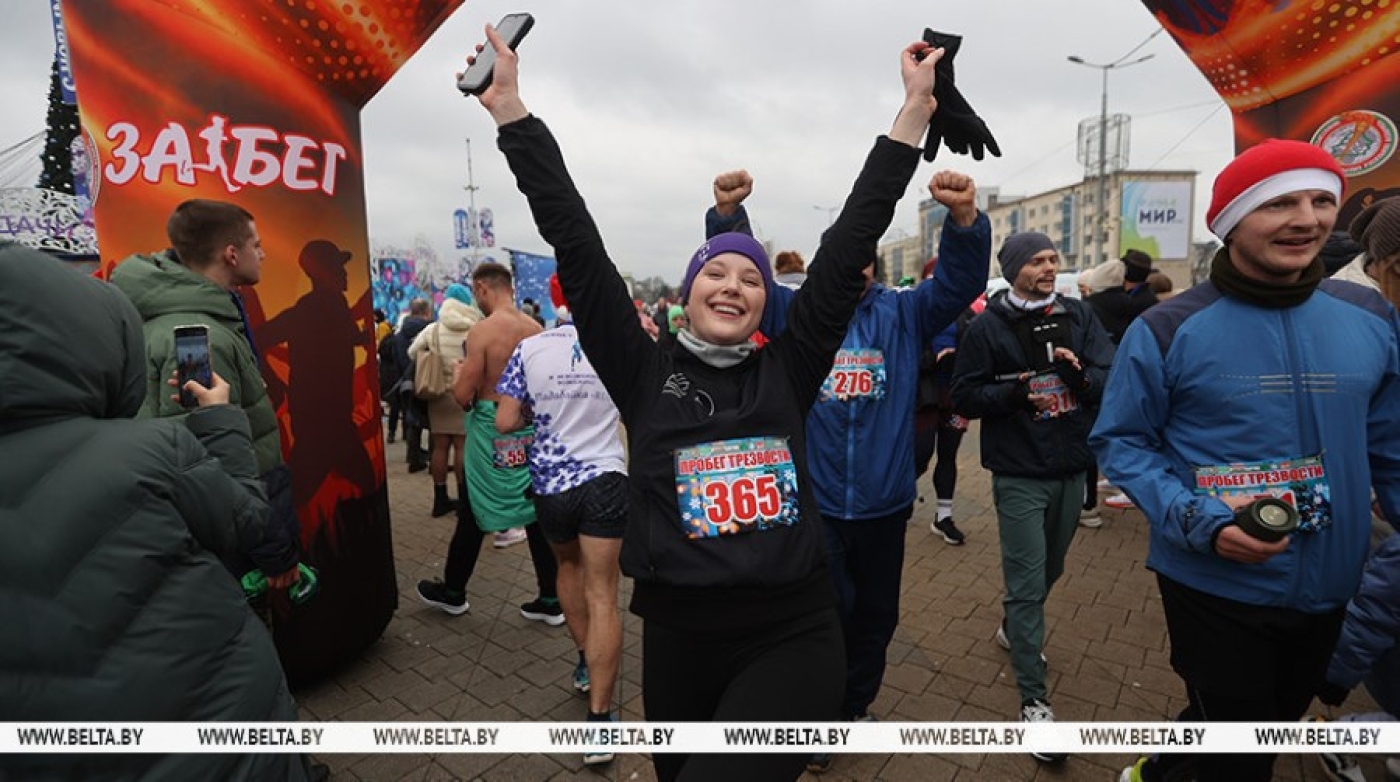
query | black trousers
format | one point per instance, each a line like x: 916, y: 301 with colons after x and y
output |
x: 866, y: 558
x: 395, y: 410
x: 1241, y: 663
x: 465, y: 549
x: 790, y: 671
x: 934, y: 437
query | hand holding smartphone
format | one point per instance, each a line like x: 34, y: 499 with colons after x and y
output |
x: 477, y: 78
x: 192, y: 361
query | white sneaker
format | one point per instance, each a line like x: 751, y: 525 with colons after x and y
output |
x: 1133, y: 773
x: 1005, y: 642
x: 1105, y: 486
x: 510, y: 537
x: 1090, y: 519
x: 1340, y: 767
x: 1119, y: 501
x: 1037, y: 710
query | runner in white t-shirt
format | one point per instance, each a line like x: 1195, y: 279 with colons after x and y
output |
x: 578, y: 473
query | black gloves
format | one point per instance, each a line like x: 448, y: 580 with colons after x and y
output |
x: 1332, y: 694
x: 955, y: 123
x: 1018, y: 396
x: 1073, y: 378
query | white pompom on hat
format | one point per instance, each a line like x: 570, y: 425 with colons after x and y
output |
x: 1265, y: 172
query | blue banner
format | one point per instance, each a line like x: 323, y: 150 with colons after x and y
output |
x: 485, y: 233
x: 462, y: 229
x: 65, y: 70
x: 395, y: 284
x: 532, y: 273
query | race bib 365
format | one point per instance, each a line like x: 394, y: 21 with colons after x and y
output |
x: 736, y: 486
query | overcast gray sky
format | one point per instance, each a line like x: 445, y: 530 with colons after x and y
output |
x: 651, y: 100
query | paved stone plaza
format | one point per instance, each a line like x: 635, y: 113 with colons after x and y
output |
x: 1107, y: 649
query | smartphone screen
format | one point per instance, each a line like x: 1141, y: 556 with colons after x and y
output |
x: 477, y: 78
x: 192, y: 360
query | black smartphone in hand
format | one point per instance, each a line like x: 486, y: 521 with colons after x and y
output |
x: 192, y: 360
x: 477, y: 77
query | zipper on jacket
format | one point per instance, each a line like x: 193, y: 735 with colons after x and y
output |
x: 1303, y: 419
x: 850, y: 457
x: 850, y: 488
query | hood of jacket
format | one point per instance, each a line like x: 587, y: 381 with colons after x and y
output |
x: 70, y: 345
x: 159, y: 285
x: 457, y: 316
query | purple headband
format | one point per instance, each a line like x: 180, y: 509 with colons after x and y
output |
x: 743, y: 244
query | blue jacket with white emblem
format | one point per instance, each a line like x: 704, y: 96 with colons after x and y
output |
x: 1207, y: 380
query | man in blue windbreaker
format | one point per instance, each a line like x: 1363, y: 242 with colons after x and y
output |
x: 860, y: 433
x: 1265, y: 381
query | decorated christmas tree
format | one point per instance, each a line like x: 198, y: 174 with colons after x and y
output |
x: 62, y: 129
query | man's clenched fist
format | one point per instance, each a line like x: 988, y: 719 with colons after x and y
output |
x: 957, y: 192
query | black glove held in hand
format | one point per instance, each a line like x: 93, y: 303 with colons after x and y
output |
x: 1018, y: 395
x: 955, y: 123
x: 1332, y: 694
x: 1073, y: 378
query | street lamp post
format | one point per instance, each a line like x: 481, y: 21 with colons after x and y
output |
x: 1102, y: 205
x: 474, y: 228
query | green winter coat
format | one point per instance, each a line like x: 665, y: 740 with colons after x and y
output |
x: 113, y: 605
x: 168, y: 295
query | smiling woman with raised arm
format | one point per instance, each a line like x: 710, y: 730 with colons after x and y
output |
x: 724, y: 540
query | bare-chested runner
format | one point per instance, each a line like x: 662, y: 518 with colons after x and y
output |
x: 497, y: 474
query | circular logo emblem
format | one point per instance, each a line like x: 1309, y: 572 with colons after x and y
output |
x: 1361, y: 141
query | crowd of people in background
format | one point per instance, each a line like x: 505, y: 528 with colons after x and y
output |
x: 749, y: 453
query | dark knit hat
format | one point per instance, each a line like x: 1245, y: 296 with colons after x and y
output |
x: 743, y: 244
x: 1265, y: 172
x: 1338, y: 251
x: 1136, y: 266
x: 1377, y: 228
x: 1018, y: 249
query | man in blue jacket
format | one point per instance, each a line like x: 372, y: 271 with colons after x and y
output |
x: 861, y: 430
x: 1267, y: 380
x: 1032, y: 366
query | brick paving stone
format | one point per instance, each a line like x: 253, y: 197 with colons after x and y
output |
x: 925, y: 707
x: 405, y: 655
x: 389, y: 685
x: 919, y: 768
x: 516, y: 768
x: 493, y: 690
x: 907, y: 678
x: 419, y: 698
x: 331, y: 700
x: 440, y: 668
x: 1125, y: 654
x: 974, y: 669
x: 374, y: 710
x: 395, y: 766
x: 463, y: 767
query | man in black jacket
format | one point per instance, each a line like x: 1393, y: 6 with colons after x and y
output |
x: 1029, y: 366
x: 1119, y: 306
x: 415, y: 414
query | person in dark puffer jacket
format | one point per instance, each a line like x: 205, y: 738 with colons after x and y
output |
x: 113, y: 603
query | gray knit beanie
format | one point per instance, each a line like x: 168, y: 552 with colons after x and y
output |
x: 1377, y: 229
x: 1018, y: 249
